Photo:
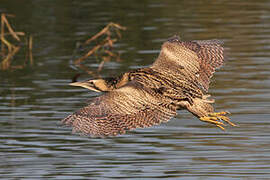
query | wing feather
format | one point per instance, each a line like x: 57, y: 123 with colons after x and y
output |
x: 191, y: 60
x: 123, y: 109
x: 210, y: 56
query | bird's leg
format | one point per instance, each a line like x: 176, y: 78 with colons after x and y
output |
x: 202, y: 108
x: 217, y: 118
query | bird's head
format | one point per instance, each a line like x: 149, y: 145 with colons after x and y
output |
x: 102, y: 85
x: 98, y: 85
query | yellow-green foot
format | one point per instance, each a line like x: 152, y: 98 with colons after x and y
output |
x: 217, y: 119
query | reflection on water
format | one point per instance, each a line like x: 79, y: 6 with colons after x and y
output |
x: 35, y: 99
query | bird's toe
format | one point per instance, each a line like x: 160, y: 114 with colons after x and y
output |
x: 217, y: 118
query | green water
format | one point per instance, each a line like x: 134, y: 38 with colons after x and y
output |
x: 33, y: 100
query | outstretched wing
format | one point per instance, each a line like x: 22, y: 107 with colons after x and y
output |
x: 195, y: 60
x: 211, y: 57
x: 126, y: 108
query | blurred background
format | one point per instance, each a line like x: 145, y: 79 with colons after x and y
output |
x: 34, y: 99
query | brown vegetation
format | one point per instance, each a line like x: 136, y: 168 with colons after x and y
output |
x: 11, y: 43
x: 101, y: 46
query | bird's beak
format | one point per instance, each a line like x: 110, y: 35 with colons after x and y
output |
x: 85, y: 84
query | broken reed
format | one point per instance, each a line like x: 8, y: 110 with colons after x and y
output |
x: 8, y: 49
x: 104, y: 43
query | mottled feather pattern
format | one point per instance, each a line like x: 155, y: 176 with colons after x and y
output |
x: 210, y: 55
x: 178, y: 79
x: 114, y: 112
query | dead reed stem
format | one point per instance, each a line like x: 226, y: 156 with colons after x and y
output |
x: 2, y: 36
x: 8, y: 49
x: 104, y: 42
x: 30, y: 47
x: 5, y: 21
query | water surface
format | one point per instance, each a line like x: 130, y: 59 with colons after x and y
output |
x: 34, y: 145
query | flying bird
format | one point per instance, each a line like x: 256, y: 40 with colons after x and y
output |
x: 178, y: 79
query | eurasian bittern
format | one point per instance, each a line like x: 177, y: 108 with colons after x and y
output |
x: 178, y: 79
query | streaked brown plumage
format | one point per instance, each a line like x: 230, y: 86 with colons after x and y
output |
x: 178, y: 79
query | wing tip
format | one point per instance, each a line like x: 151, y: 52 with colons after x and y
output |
x: 68, y: 121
